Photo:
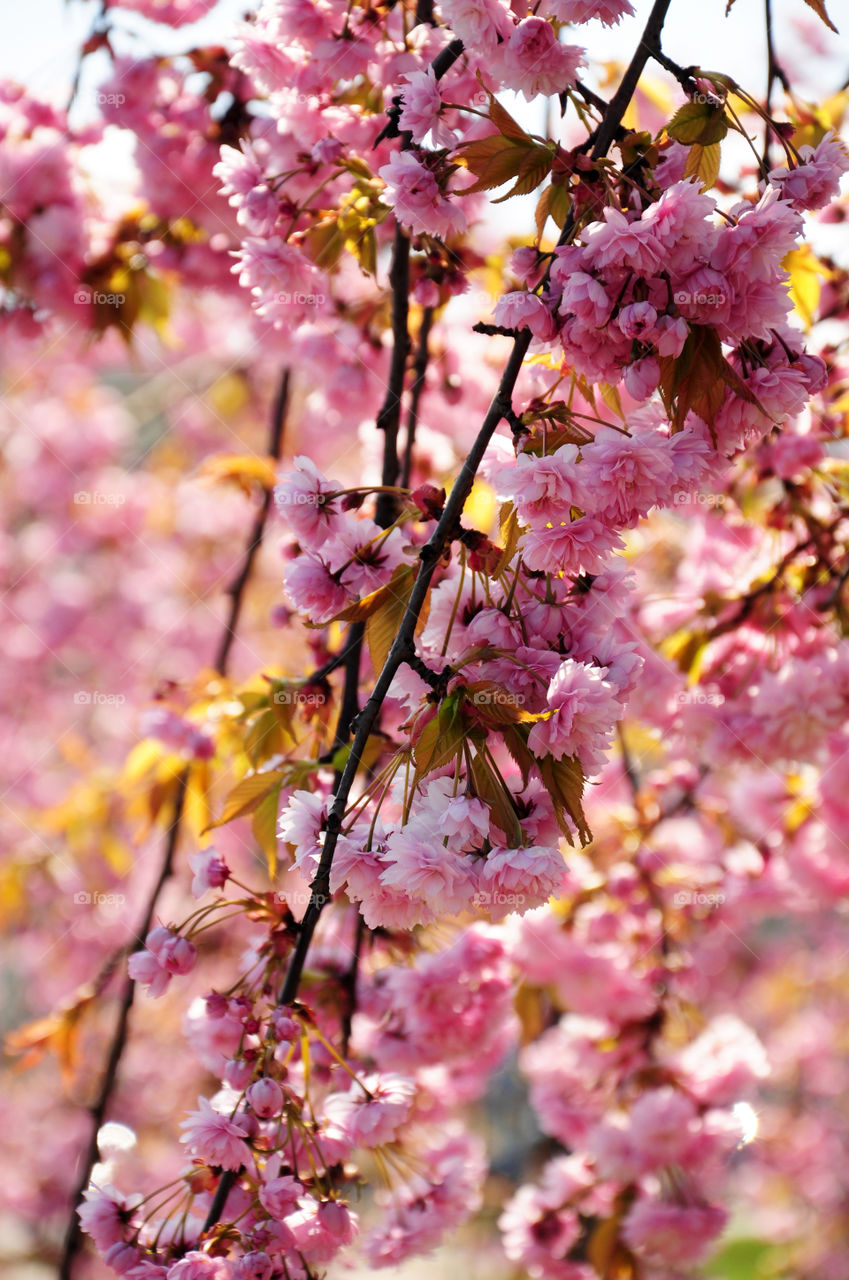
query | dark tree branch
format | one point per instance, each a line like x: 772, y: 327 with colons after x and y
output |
x: 349, y: 984
x: 402, y: 649
x: 403, y: 646
x: 118, y: 1043
x: 236, y: 590
x: 648, y: 47
x: 120, y: 1034
x: 389, y: 417
x: 419, y: 373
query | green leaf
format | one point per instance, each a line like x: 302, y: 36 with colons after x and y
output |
x: 441, y: 739
x: 493, y: 160
x: 264, y: 738
x: 542, y: 211
x: 383, y: 623
x: 697, y: 379
x: 746, y: 1259
x: 703, y: 162
x: 489, y: 788
x: 400, y: 582
x: 534, y: 168
x: 561, y: 203
x: 701, y: 122
x: 516, y: 741
x: 610, y: 396
x: 505, y: 124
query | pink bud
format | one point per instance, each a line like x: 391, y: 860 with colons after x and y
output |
x: 284, y: 1027
x: 335, y: 1219
x: 157, y: 939
x: 216, y: 1005
x: 179, y: 955
x: 255, y: 1266
x: 121, y: 1257
x: 237, y: 1073
x: 266, y: 1097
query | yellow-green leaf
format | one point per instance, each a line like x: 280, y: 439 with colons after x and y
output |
x: 382, y: 625
x: 248, y: 795
x: 493, y: 160
x: 535, y: 166
x: 264, y: 827
x: 241, y: 469
x: 703, y: 162
x: 401, y: 583
x: 806, y: 275
x: 564, y: 781
x: 701, y: 122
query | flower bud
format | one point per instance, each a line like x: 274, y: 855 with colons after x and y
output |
x: 266, y: 1097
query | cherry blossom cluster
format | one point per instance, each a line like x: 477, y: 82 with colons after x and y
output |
x: 596, y: 831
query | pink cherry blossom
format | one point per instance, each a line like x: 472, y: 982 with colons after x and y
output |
x: 214, y: 1138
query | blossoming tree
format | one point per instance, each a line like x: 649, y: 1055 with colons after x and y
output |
x: 523, y: 793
